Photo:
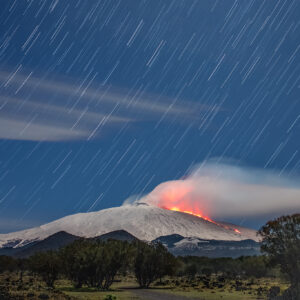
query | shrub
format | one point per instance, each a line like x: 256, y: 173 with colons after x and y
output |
x: 110, y: 297
x: 273, y: 292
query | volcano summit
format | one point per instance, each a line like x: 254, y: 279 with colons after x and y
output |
x: 143, y: 221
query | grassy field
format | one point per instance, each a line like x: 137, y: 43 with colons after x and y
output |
x: 249, y: 289
x: 125, y: 289
x: 121, y: 290
x: 257, y: 290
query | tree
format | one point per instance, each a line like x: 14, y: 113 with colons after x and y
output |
x: 7, y: 263
x: 281, y: 241
x: 191, y: 271
x: 254, y: 266
x: 69, y: 259
x: 80, y: 262
x: 207, y: 272
x: 22, y: 266
x: 116, y: 257
x: 94, y: 263
x: 47, y: 265
x: 152, y: 261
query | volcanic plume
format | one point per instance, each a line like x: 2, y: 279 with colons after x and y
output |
x: 220, y: 192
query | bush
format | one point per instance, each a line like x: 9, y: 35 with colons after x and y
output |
x: 43, y: 296
x: 110, y: 297
x: 190, y: 271
x: 273, y: 292
x: 254, y: 266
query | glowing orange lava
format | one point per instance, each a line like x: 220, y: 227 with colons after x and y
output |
x: 192, y: 213
x: 205, y: 218
x: 182, y: 197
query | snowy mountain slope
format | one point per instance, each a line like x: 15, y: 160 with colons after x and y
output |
x: 143, y: 221
x: 179, y: 245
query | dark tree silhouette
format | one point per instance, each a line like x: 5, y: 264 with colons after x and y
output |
x: 152, y: 261
x: 94, y: 263
x: 47, y: 265
x: 7, y: 263
x: 281, y: 241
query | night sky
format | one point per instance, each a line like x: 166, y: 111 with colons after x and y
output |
x: 101, y: 100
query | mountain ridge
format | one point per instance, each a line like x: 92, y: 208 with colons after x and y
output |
x: 176, y: 244
x: 141, y: 221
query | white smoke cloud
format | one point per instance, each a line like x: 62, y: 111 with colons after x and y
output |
x: 226, y: 191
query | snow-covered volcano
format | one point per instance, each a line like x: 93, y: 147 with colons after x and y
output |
x: 141, y: 220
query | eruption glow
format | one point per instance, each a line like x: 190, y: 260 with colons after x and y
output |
x: 219, y: 192
x: 182, y: 196
x: 179, y: 196
x: 191, y: 213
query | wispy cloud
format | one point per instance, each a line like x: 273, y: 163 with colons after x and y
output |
x: 33, y: 131
x: 28, y: 120
x: 35, y: 108
x: 227, y: 191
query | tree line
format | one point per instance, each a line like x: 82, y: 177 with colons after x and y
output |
x: 96, y: 263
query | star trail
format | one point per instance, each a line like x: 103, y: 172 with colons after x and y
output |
x: 102, y: 100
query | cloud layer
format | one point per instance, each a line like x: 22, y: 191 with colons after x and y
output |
x: 40, y: 109
x: 226, y: 191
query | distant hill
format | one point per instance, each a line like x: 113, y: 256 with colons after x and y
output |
x: 169, y: 240
x: 53, y: 242
x: 176, y: 244
x: 179, y: 245
x: 59, y: 240
x: 120, y: 235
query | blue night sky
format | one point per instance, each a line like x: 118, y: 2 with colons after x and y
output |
x: 101, y: 100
